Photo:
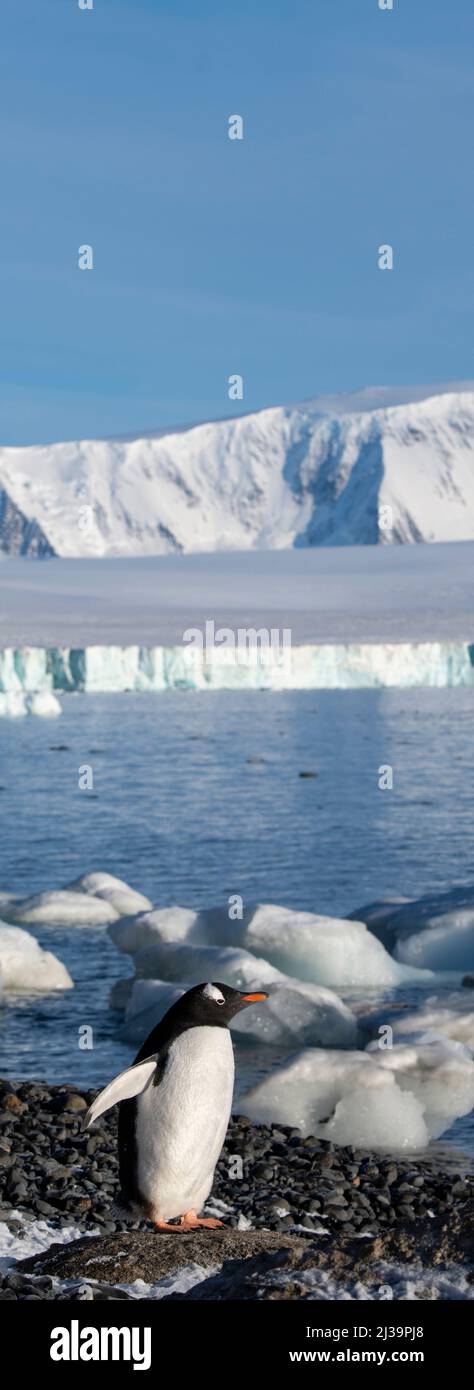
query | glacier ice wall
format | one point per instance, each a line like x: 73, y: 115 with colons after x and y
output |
x: 348, y: 666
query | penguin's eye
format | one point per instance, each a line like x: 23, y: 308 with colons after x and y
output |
x: 211, y: 992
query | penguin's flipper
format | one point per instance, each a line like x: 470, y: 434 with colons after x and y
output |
x: 129, y: 1083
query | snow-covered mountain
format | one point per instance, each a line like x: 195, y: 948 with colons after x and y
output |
x: 334, y: 471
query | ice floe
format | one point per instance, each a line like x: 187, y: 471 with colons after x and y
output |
x: 24, y: 966
x: 391, y: 1099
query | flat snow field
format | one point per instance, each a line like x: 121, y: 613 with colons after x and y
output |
x: 350, y: 594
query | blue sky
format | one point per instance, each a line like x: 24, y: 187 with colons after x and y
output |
x: 213, y: 256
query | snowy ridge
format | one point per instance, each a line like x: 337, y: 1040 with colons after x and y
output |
x: 318, y: 473
x: 100, y: 669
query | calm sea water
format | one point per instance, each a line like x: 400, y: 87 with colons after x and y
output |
x: 198, y: 795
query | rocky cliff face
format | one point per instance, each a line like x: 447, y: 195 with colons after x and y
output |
x: 19, y: 534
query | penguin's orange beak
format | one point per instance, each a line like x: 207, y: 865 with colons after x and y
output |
x: 253, y: 998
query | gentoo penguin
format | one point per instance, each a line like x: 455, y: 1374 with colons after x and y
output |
x: 175, y: 1105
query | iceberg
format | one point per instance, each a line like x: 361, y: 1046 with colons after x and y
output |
x: 384, y: 1099
x: 308, y: 666
x: 25, y: 966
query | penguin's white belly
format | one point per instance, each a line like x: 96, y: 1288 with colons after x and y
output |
x: 181, y: 1123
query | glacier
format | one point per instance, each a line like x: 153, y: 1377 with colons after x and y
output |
x: 310, y: 666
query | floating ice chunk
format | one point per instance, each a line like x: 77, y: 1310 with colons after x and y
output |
x: 294, y: 1014
x: 62, y: 908
x: 447, y: 1015
x: 98, y: 882
x: 344, y: 1096
x: 298, y: 1015
x: 6, y: 901
x: 440, y: 1074
x: 320, y: 950
x: 430, y: 1023
x: 447, y: 943
x: 182, y: 961
x: 25, y: 966
x: 120, y: 993
x: 149, y: 1002
x: 378, y: 917
x: 13, y: 704
x: 132, y: 934
x: 124, y: 900
x: 436, y: 931
x: 45, y: 704
x: 341, y: 1096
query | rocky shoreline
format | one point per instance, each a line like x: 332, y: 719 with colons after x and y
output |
x: 292, y: 1207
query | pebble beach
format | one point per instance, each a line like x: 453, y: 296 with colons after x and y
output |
x: 269, y: 1179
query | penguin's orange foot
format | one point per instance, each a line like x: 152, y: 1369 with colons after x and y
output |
x: 191, y: 1221
x: 166, y: 1226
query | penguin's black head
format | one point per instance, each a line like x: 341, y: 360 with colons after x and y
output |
x: 217, y: 1004
x: 203, y: 1006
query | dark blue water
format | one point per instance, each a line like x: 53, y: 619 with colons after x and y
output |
x: 178, y: 809
x: 198, y: 795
